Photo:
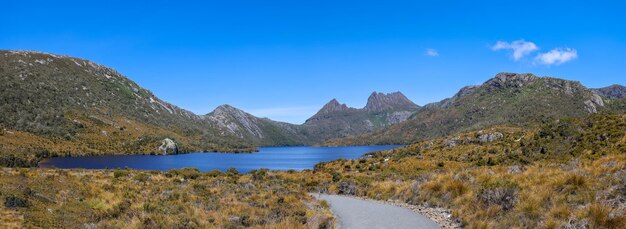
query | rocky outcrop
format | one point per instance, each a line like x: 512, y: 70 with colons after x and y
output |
x: 168, y: 146
x: 593, y: 103
x: 481, y: 138
x: 490, y: 137
x: 452, y: 142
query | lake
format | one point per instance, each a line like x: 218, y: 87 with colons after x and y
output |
x: 273, y: 158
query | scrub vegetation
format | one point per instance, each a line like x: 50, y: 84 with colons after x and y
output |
x: 568, y: 173
x: 518, y: 151
x: 185, y: 198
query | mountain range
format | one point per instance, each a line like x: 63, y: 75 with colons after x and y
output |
x: 333, y: 120
x: 521, y: 99
x: 61, y: 105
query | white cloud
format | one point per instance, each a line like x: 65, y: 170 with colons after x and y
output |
x: 520, y: 48
x: 431, y: 52
x: 557, y: 56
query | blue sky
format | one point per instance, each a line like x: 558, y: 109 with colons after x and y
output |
x: 285, y: 59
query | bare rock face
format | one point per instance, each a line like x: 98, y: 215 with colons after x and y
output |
x: 168, y: 146
x: 380, y: 102
x: 592, y: 104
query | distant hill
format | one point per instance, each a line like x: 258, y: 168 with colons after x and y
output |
x: 518, y: 99
x: 256, y: 131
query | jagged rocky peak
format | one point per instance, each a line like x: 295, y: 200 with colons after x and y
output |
x: 614, y: 91
x: 379, y: 102
x: 507, y: 79
x: 333, y: 106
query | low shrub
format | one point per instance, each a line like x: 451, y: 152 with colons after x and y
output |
x: 15, y: 202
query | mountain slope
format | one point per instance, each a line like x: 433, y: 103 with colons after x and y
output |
x: 563, y: 173
x: 506, y: 98
x: 257, y: 131
x: 71, y: 106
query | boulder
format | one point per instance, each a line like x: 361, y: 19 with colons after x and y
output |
x: 168, y: 146
x: 490, y: 137
x: 452, y: 142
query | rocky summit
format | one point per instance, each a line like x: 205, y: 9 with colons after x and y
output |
x: 381, y: 102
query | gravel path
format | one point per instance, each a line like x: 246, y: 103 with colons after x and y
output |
x: 357, y: 213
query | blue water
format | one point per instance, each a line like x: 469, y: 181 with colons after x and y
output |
x: 273, y: 158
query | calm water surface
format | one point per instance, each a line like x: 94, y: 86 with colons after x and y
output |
x: 273, y: 158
